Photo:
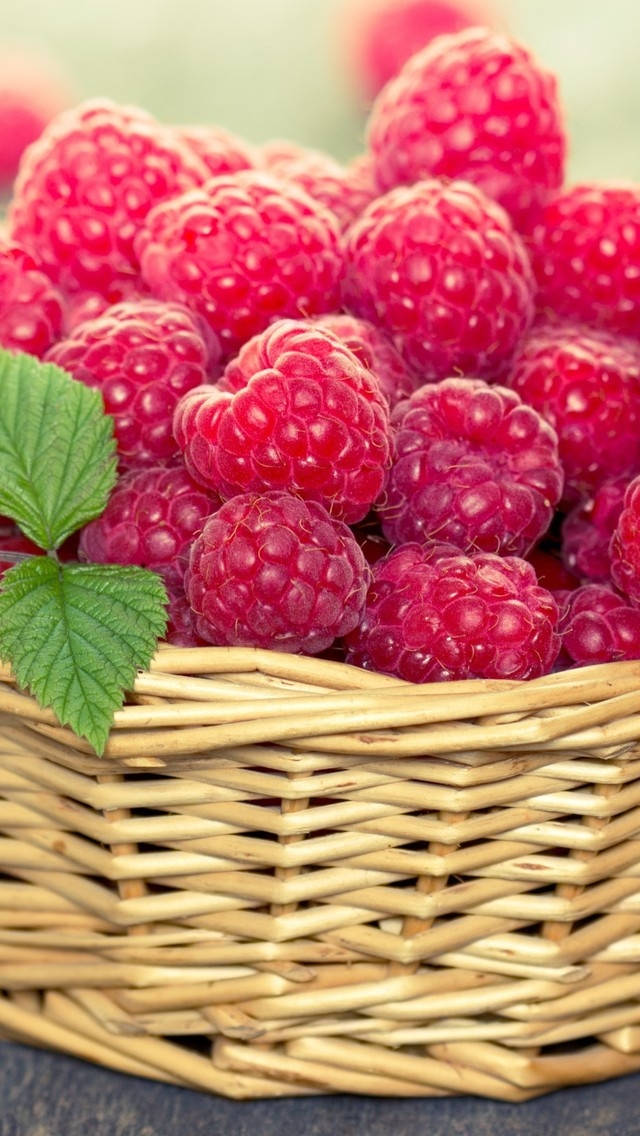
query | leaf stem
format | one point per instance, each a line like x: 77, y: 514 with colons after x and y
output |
x: 16, y: 557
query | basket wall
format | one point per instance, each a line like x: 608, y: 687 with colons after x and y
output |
x: 287, y: 876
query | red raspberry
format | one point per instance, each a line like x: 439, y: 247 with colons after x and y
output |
x: 587, y: 385
x: 345, y: 191
x: 87, y: 184
x: 382, y: 35
x: 440, y: 269
x: 598, y: 626
x: 372, y: 348
x: 14, y: 541
x: 587, y: 532
x: 220, y: 151
x: 551, y: 572
x: 152, y: 518
x: 307, y: 417
x: 474, y: 466
x: 243, y: 252
x: 143, y: 356
x: 477, y: 106
x: 31, y: 309
x: 31, y: 92
x: 585, y: 250
x: 274, y: 571
x: 625, y: 545
x: 432, y: 617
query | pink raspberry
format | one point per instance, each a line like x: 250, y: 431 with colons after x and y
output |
x: 243, y: 252
x: 440, y: 270
x: 87, y: 184
x: 274, y: 571
x: 598, y: 626
x: 143, y: 356
x: 152, y: 518
x: 551, y: 572
x: 219, y: 150
x: 345, y: 191
x: 587, y: 532
x: 375, y: 351
x: 382, y: 35
x: 31, y: 92
x: 31, y: 308
x: 587, y: 385
x: 476, y: 106
x: 585, y: 250
x: 625, y: 545
x: 431, y: 617
x: 307, y: 417
x: 474, y: 466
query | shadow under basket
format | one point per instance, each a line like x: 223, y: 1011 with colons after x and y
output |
x: 289, y: 876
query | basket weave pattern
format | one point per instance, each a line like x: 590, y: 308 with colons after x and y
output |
x: 289, y: 876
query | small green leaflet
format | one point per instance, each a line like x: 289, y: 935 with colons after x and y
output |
x: 75, y: 634
x: 57, y: 452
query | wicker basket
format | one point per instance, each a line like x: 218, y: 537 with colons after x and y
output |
x: 289, y: 876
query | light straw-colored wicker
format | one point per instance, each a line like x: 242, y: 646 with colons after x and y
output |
x: 289, y: 876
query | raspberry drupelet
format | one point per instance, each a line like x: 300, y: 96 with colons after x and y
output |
x: 585, y: 250
x: 433, y: 617
x: 476, y: 105
x: 219, y: 150
x: 587, y: 385
x: 87, y: 184
x: 587, y: 532
x: 274, y: 571
x: 472, y: 465
x: 440, y: 270
x: 31, y: 308
x: 152, y: 518
x: 306, y: 416
x: 243, y: 252
x: 143, y: 356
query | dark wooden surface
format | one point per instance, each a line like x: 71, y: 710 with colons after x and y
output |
x: 44, y: 1094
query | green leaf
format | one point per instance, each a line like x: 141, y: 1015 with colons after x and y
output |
x: 57, y: 452
x: 75, y: 634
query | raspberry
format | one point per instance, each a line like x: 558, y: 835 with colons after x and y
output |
x: 220, y: 151
x: 15, y: 542
x: 143, y: 356
x: 307, y: 417
x: 274, y: 571
x: 551, y: 572
x: 31, y: 93
x: 585, y: 250
x: 431, y: 617
x: 598, y: 626
x: 474, y: 466
x: 587, y: 532
x: 345, y: 191
x: 477, y: 106
x: 440, y: 270
x: 587, y: 385
x: 152, y: 518
x: 87, y: 184
x: 376, y: 352
x: 243, y: 252
x: 31, y: 308
x: 625, y: 545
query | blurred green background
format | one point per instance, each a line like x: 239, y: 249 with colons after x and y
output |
x: 274, y: 68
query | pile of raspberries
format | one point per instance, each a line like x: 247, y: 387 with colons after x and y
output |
x: 389, y: 410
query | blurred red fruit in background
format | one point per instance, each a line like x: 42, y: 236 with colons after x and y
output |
x: 380, y: 35
x: 32, y: 90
